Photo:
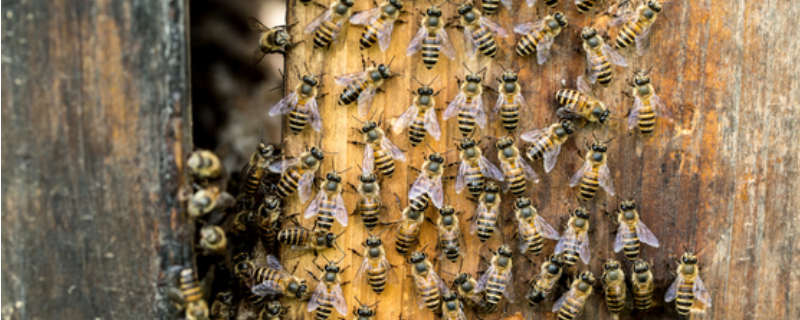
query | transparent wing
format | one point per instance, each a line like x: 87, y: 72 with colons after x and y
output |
x: 267, y: 288
x: 365, y: 101
x: 673, y: 289
x: 417, y: 282
x: 416, y: 42
x: 256, y: 25
x: 529, y: 173
x: 509, y: 292
x: 404, y: 120
x: 605, y: 179
x: 369, y: 159
x: 570, y: 234
x: 524, y: 228
x: 530, y: 3
x: 492, y: 271
x: 306, y: 182
x: 633, y: 118
x: 551, y: 157
x: 312, y: 27
x: 346, y: 79
x: 586, y: 252
x: 461, y: 182
x: 625, y: 17
x: 443, y: 289
x: 546, y: 228
x: 281, y: 166
x: 365, y: 17
x: 436, y: 192
x: 569, y: 295
x: 342, y: 29
x: 480, y: 214
x: 521, y: 100
x: 490, y: 170
x: 525, y: 28
x: 590, y: 57
x: 313, y: 303
x: 507, y: 4
x: 316, y: 120
x: 501, y: 98
x: 385, y: 35
x: 341, y: 210
x: 452, y: 107
x: 496, y: 28
x: 362, y: 270
x: 543, y: 48
x: 470, y: 46
x: 338, y: 300
x: 700, y: 291
x: 576, y: 178
x: 614, y: 56
x: 480, y: 114
x: 432, y: 125
x: 662, y: 109
x: 446, y: 45
x: 274, y: 263
x: 622, y: 231
x: 643, y: 40
x: 284, y: 106
x: 534, y: 135
x: 397, y: 154
x: 645, y: 235
x: 418, y: 188
x: 313, y: 207
x: 391, y: 276
x: 583, y: 85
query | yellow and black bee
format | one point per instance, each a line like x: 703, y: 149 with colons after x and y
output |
x: 549, y: 274
x: 428, y: 185
x: 497, y: 280
x: 688, y: 288
x: 212, y: 240
x: 409, y: 227
x: 420, y: 117
x: 243, y: 267
x: 614, y: 286
x: 298, y: 173
x: 480, y: 31
x: 584, y: 5
x: 301, y: 105
x: 275, y: 281
x: 575, y: 241
x: 222, y: 308
x: 204, y: 166
x: 594, y: 173
x: 581, y: 104
x: 539, y: 36
x: 631, y: 231
x: 509, y: 100
x: 378, y: 24
x: 646, y: 105
x: 449, y: 233
x: 328, y: 295
x: 431, y: 38
x: 328, y: 205
x: 273, y: 311
x: 532, y: 227
x: 517, y: 172
x: 304, y: 239
x: 468, y: 104
x: 637, y: 25
x: 452, y: 308
x: 272, y: 40
x: 369, y: 203
x: 642, y: 285
x: 485, y: 219
x: 329, y: 25
x: 599, y: 57
x: 271, y: 221
x: 474, y: 168
x: 210, y: 198
x: 466, y: 286
x: 362, y: 86
x: 378, y: 149
x: 546, y: 142
x: 191, y: 295
x: 572, y: 302
x: 377, y: 269
x: 255, y: 170
x: 429, y: 286
x: 365, y: 312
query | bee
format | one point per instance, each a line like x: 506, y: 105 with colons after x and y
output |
x: 479, y: 30
x: 270, y: 211
x: 328, y: 204
x: 301, y: 104
x: 594, y: 173
x: 428, y: 284
x: 328, y: 295
x: 485, y: 219
x: 466, y: 286
x: 365, y: 312
x: 549, y: 274
x: 273, y: 40
x: 378, y: 24
x: 273, y: 311
x: 581, y: 104
x: 490, y: 6
x: 431, y: 38
x: 191, y: 294
x: 614, y: 286
x: 243, y: 267
x: 375, y: 266
x: 497, y: 280
x: 515, y: 169
x: 575, y: 241
x: 212, y: 240
x: 428, y: 185
x: 327, y: 26
x: 243, y: 221
x: 449, y: 234
x: 369, y: 199
x: 304, y: 239
x: 296, y: 173
x: 539, y: 36
x: 510, y: 100
x: 532, y: 227
x: 584, y: 5
x: 468, y: 104
x: 572, y: 302
x: 631, y: 231
x: 420, y: 117
x: 275, y: 281
x: 599, y: 57
x: 637, y: 25
x: 378, y: 150
x: 205, y: 166
x: 222, y: 308
x: 409, y: 227
x: 546, y: 142
x: 642, y: 283
x: 549, y: 3
x: 210, y: 198
x: 362, y: 86
x: 452, y: 308
x: 256, y: 169
x: 688, y: 286
x: 646, y: 106
x: 474, y: 168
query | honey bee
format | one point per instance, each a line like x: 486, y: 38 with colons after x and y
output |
x: 468, y: 104
x: 420, y: 117
x: 378, y: 24
x: 365, y: 312
x: 369, y: 199
x: 212, y: 240
x: 428, y: 185
x: 539, y: 36
x: 378, y: 150
x: 296, y: 173
x: 327, y: 26
x: 646, y: 106
x: 631, y: 231
x: 642, y: 283
x: 594, y: 173
x: 480, y: 31
x: 409, y: 227
x: 452, y: 308
x: 304, y: 239
x: 328, y: 295
x: 571, y: 304
x: 584, y: 5
x: 532, y: 227
x: 466, y: 286
x: 575, y: 241
x: 688, y: 286
x: 275, y: 281
x: 328, y: 204
x: 509, y: 100
x: 191, y: 295
x: 362, y: 86
x: 581, y: 104
x: 273, y: 40
x: 375, y: 266
x: 490, y: 6
x: 431, y: 38
x: 428, y: 284
x: 205, y: 166
x: 243, y: 267
x: 599, y: 57
x: 256, y: 169
x: 301, y: 104
x: 546, y: 142
x: 449, y: 234
x: 614, y: 286
x: 549, y: 274
x: 517, y: 172
x: 273, y: 311
x: 222, y: 308
x: 497, y: 280
x: 485, y: 219
x: 271, y: 221
x: 638, y: 24
x: 474, y: 168
x: 210, y: 198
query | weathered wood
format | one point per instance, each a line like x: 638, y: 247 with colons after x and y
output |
x: 96, y: 127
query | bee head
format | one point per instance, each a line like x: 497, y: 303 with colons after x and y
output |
x: 561, y: 19
x: 225, y: 296
x: 274, y: 307
x: 210, y: 233
x: 588, y: 33
x: 333, y: 176
x: 201, y: 201
x: 639, y: 266
x: 505, y: 143
x: 436, y: 157
x: 384, y: 70
x: 330, y: 239
x: 689, y: 258
x: 368, y: 177
x: 505, y: 251
x: 641, y: 79
x: 331, y: 267
x: 266, y: 149
x: 281, y: 38
x: 450, y: 296
x: 434, y: 11
x: 611, y: 265
x: 272, y: 202
x: 556, y: 260
x: 567, y: 126
x: 654, y: 5
x: 522, y: 202
x: 348, y: 3
x: 417, y: 257
x: 461, y: 278
x: 509, y: 76
x: 582, y: 213
x: 464, y: 8
x: 373, y: 241
x: 474, y: 78
x: 397, y: 4
x: 491, y: 187
x: 467, y: 143
x: 425, y: 91
x: 627, y: 205
x: 587, y: 277
x: 599, y: 147
x: 317, y: 153
x: 368, y: 126
x: 364, y: 311
x: 301, y: 291
x: 310, y: 80
x: 447, y: 210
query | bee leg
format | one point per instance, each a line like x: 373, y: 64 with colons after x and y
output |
x: 344, y: 283
x: 356, y: 252
x: 312, y: 275
x: 358, y: 143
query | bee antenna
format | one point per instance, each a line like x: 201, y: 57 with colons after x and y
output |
x: 326, y: 258
x: 344, y: 255
x: 339, y: 235
x: 359, y: 168
x: 429, y: 147
x: 423, y: 248
x: 354, y: 117
x: 382, y: 231
x: 373, y: 114
x: 262, y: 135
x: 434, y: 79
x: 415, y: 78
x: 306, y: 66
x: 501, y: 66
x: 297, y: 70
x: 482, y: 70
x: 359, y: 301
x: 465, y: 66
x: 374, y: 304
x: 345, y: 170
x: 390, y: 61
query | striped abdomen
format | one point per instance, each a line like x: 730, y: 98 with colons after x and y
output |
x: 420, y: 202
x: 429, y: 292
x: 370, y: 35
x: 509, y: 114
x: 538, y: 148
x: 325, y: 306
x: 495, y: 287
x: 325, y: 213
x: 353, y: 90
x: 643, y: 295
x: 288, y: 183
x: 534, y: 241
x: 405, y: 239
x: 568, y: 96
x: 516, y: 178
x: 431, y: 47
x: 294, y: 237
x: 571, y: 251
x: 323, y: 36
x: 258, y: 302
x: 570, y: 309
x: 616, y: 299
x: 466, y: 118
x: 627, y: 35
x: 647, y: 118
x: 540, y: 289
x: 551, y: 3
x: 416, y: 131
x: 298, y: 117
x: 484, y: 39
x: 630, y: 243
x: 602, y: 68
x: 253, y: 182
x: 269, y: 238
x: 486, y: 225
x: 370, y: 209
x: 490, y: 6
x: 377, y: 278
x: 383, y: 161
x: 450, y: 245
x: 189, y: 286
x: 527, y: 45
x: 589, y: 184
x: 685, y: 296
x: 474, y: 179
x: 584, y: 5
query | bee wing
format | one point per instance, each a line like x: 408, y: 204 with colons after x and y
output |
x: 437, y: 194
x: 480, y: 114
x: 622, y: 231
x: 479, y: 214
x: 460, y: 181
x: 509, y: 292
x: 525, y: 28
x: 312, y: 27
x: 526, y: 168
x: 501, y: 98
x: 313, y: 303
x: 418, y: 188
x: 313, y: 207
x: 673, y: 289
x: 418, y: 281
x: 365, y: 101
x: 369, y: 159
x: 576, y: 178
x: 471, y: 46
x: 443, y: 289
x: 391, y: 276
x: 633, y: 118
x: 256, y: 25
x: 490, y: 170
x: 496, y: 28
x: 338, y: 300
x: 584, y: 86
x: 397, y: 154
x: 274, y: 263
x: 366, y: 16
x: 534, y: 135
x: 432, y: 125
x: 586, y: 252
x: 550, y: 158
x: 341, y: 211
x: 662, y: 109
x: 568, y: 295
x: 281, y: 166
x: 590, y: 57
x: 342, y: 29
x: 359, y: 278
x: 404, y: 120
x: 452, y: 107
x: 507, y: 4
x: 614, y: 56
x: 524, y: 228
x: 645, y: 235
x: 284, y: 105
x: 543, y: 48
x: 626, y: 16
x: 258, y: 54
x: 447, y: 46
x: 700, y: 291
x: 385, y: 35
x: 521, y: 100
x: 546, y: 228
x: 267, y: 288
x: 346, y: 79
x: 605, y: 179
x: 416, y: 42
x: 643, y: 40
x: 316, y: 120
x: 492, y: 271
x: 530, y: 3
x: 570, y: 234
x: 305, y: 186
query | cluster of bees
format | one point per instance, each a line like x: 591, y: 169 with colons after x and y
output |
x: 270, y: 178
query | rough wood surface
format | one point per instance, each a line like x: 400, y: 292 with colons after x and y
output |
x: 96, y: 126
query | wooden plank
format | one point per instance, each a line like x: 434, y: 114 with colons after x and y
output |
x: 96, y: 125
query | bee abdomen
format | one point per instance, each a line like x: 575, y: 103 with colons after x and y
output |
x: 615, y: 301
x: 418, y: 203
x: 535, y: 243
x: 527, y: 45
x: 538, y: 148
x: 369, y: 214
x: 430, y: 295
x: 584, y: 5
x: 517, y: 180
x: 603, y: 70
x: 567, y: 96
x: 494, y: 289
x: 490, y: 6
x: 631, y: 245
x: 430, y: 51
x: 377, y: 279
x: 475, y: 180
x: 324, y: 34
x: 325, y: 215
x: 569, y: 309
x: 417, y: 132
x: 253, y: 181
x: 294, y: 237
x: 485, y: 40
x: 370, y: 35
x: 685, y: 297
x: 297, y: 121
x: 189, y: 286
x: 571, y: 253
x: 509, y: 113
x: 486, y: 228
x: 627, y: 35
x: 288, y: 183
x: 405, y: 240
x: 551, y: 3
x: 647, y: 120
x: 256, y: 301
x: 589, y: 185
x: 324, y: 309
x: 642, y: 296
x: 466, y: 122
x: 352, y: 92
x: 384, y: 162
